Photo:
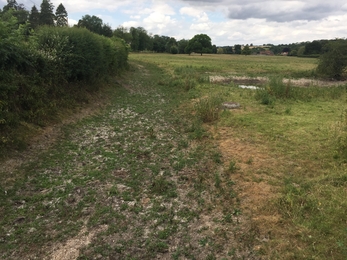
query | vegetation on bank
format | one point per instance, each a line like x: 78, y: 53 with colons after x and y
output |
x: 44, y: 70
x: 164, y: 170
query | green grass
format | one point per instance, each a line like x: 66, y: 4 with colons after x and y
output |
x: 146, y: 176
x: 233, y: 64
x: 303, y: 128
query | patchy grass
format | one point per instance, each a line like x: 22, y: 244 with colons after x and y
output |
x: 131, y: 181
x: 234, y: 64
x: 148, y: 176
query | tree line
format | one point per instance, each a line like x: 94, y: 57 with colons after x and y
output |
x: 138, y: 39
x: 46, y: 15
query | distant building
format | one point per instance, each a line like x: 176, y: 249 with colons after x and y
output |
x: 267, y: 52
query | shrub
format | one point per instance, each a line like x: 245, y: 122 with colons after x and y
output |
x: 333, y: 63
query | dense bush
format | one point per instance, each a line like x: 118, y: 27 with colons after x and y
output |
x: 333, y: 63
x: 40, y: 70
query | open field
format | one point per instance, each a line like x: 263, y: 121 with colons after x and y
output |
x: 162, y: 171
x: 292, y: 67
x: 290, y: 176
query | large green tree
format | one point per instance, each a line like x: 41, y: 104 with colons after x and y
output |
x: 246, y: 50
x: 96, y: 25
x: 123, y: 33
x: 333, y: 63
x: 140, y: 39
x: 237, y: 49
x: 46, y: 14
x: 34, y: 17
x: 182, y: 44
x: 17, y: 10
x: 313, y: 48
x: 12, y: 4
x: 159, y: 43
x: 61, y: 16
x: 170, y: 43
x: 200, y: 43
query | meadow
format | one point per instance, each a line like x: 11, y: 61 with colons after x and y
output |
x: 154, y: 167
x: 285, y: 147
x: 235, y: 64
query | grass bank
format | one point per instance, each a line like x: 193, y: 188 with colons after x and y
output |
x: 137, y: 180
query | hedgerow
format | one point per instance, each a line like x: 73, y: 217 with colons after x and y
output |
x: 39, y: 71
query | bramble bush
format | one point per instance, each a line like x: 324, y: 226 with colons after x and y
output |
x: 41, y: 70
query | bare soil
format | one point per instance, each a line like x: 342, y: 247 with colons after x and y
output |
x: 303, y: 82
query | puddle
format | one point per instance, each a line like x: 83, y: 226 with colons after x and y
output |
x: 248, y: 87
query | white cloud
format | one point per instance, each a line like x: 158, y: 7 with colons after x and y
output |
x: 200, y: 27
x: 72, y: 22
x: 157, y: 20
x: 227, y: 22
x: 190, y: 11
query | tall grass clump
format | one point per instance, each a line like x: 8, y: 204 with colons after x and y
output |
x: 208, y: 108
x: 341, y: 136
x: 41, y: 70
x: 189, y: 77
x: 275, y: 89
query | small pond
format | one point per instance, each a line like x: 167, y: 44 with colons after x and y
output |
x: 249, y: 87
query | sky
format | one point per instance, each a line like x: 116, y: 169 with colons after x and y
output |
x: 227, y: 22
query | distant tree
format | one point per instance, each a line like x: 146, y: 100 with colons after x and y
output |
x: 17, y: 10
x: 301, y: 51
x: 171, y: 42
x: 34, y: 17
x: 237, y: 49
x: 106, y: 30
x: 174, y: 49
x: 135, y: 39
x: 123, y: 33
x: 229, y: 49
x: 46, y: 14
x: 95, y: 25
x: 159, y: 43
x: 12, y: 4
x: 214, y: 49
x: 220, y: 50
x: 61, y: 16
x: 92, y: 23
x: 145, y: 41
x: 312, y: 48
x: 246, y: 50
x: 293, y: 53
x: 200, y: 43
x: 276, y: 49
x: 182, y: 44
x: 333, y: 63
x: 140, y: 39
